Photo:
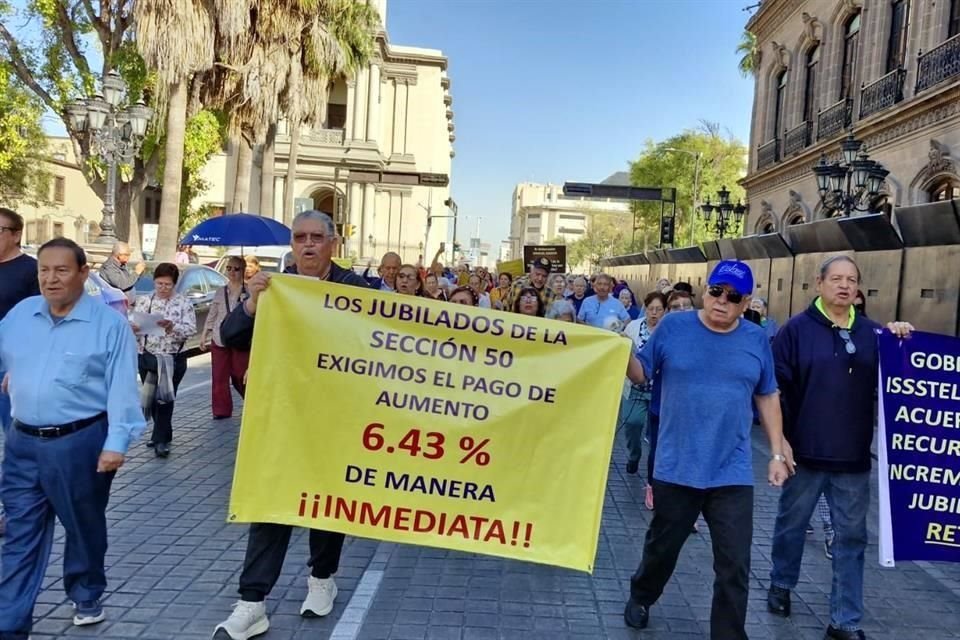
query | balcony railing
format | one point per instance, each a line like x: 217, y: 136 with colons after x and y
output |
x: 768, y: 154
x: 834, y: 119
x: 324, y: 136
x: 939, y: 64
x: 797, y: 139
x: 882, y: 94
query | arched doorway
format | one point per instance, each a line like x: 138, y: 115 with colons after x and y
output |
x: 329, y: 201
x: 323, y: 200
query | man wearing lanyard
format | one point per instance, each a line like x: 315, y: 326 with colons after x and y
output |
x: 313, y: 239
x: 71, y: 373
x: 828, y: 352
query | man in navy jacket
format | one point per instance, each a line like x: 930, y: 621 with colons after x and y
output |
x: 826, y: 364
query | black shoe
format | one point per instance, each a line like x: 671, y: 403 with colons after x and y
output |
x: 839, y: 634
x: 151, y: 444
x: 778, y: 601
x: 633, y: 466
x: 162, y: 449
x: 636, y: 615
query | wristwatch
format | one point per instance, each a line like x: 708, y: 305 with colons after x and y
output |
x: 779, y: 457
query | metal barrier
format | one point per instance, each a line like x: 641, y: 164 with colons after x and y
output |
x: 910, y: 271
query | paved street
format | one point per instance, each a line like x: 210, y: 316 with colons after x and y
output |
x: 173, y: 565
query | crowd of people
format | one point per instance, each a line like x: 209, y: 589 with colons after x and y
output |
x: 706, y: 366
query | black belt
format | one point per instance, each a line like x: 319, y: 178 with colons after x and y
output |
x: 57, y: 430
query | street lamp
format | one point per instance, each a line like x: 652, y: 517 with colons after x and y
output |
x: 696, y: 181
x: 113, y: 133
x: 729, y: 216
x: 851, y: 185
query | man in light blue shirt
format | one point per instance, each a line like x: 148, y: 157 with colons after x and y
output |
x: 71, y: 365
x: 602, y: 310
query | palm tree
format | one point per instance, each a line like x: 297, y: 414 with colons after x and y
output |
x: 749, y: 54
x: 176, y: 40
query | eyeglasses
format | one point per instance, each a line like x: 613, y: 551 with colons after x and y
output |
x: 529, y: 297
x: 160, y: 284
x: 303, y: 238
x: 734, y: 297
x: 847, y: 342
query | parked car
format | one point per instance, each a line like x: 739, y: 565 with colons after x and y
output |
x: 272, y: 258
x: 197, y: 283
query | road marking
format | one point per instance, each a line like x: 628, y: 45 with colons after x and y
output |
x: 192, y: 387
x: 351, y: 620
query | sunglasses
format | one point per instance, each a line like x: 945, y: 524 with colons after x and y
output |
x: 733, y: 297
x: 234, y: 269
x: 847, y: 342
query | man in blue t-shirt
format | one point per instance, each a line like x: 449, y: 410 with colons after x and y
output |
x: 601, y: 310
x: 711, y: 364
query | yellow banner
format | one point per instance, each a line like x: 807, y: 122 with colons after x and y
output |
x: 513, y: 267
x: 417, y: 421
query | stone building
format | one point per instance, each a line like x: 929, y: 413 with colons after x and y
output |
x: 381, y: 161
x: 886, y: 70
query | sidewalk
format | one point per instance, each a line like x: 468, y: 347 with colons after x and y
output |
x: 173, y: 565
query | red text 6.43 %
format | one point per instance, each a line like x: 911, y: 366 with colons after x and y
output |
x: 429, y: 445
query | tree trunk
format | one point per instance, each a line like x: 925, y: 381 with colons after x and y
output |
x: 241, y: 189
x: 169, y: 227
x: 266, y: 174
x: 289, y: 183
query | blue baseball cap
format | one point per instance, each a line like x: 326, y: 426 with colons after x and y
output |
x: 733, y: 273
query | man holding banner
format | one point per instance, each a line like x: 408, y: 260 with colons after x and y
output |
x: 313, y: 240
x: 826, y: 363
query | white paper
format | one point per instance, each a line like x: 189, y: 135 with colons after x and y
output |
x: 147, y: 323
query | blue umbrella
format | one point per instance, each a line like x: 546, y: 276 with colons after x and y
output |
x: 238, y: 229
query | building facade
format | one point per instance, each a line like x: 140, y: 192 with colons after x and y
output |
x: 381, y: 163
x: 886, y: 70
x: 542, y: 214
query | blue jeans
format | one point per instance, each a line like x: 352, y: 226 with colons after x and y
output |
x: 44, y: 480
x: 633, y: 418
x: 848, y: 495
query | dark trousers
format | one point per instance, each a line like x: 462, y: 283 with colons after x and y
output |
x: 653, y: 431
x: 229, y: 366
x: 161, y: 413
x: 729, y: 514
x: 44, y: 479
x: 266, y: 549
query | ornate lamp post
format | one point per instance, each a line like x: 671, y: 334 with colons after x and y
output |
x: 851, y: 185
x: 114, y: 134
x: 729, y: 216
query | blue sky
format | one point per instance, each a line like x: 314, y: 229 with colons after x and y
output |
x: 556, y: 90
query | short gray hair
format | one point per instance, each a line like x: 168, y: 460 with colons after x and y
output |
x: 120, y: 247
x: 319, y: 216
x: 829, y: 262
x: 559, y: 308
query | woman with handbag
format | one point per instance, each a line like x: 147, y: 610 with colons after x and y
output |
x: 229, y: 365
x: 162, y: 362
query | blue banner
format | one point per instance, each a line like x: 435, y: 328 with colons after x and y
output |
x: 918, y: 447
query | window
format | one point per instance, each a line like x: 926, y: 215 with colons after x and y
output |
x: 780, y: 106
x: 897, y: 43
x: 59, y: 189
x: 953, y: 28
x: 810, y: 85
x: 336, y: 116
x: 32, y: 234
x: 851, y: 49
x: 947, y: 189
x: 57, y: 229
x: 191, y: 283
x: 214, y: 280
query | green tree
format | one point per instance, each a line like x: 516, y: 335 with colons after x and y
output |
x: 23, y: 177
x: 749, y: 54
x: 672, y: 163
x: 606, y: 235
x: 68, y: 46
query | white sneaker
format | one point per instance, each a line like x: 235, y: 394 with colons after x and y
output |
x: 248, y: 619
x: 320, y: 597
